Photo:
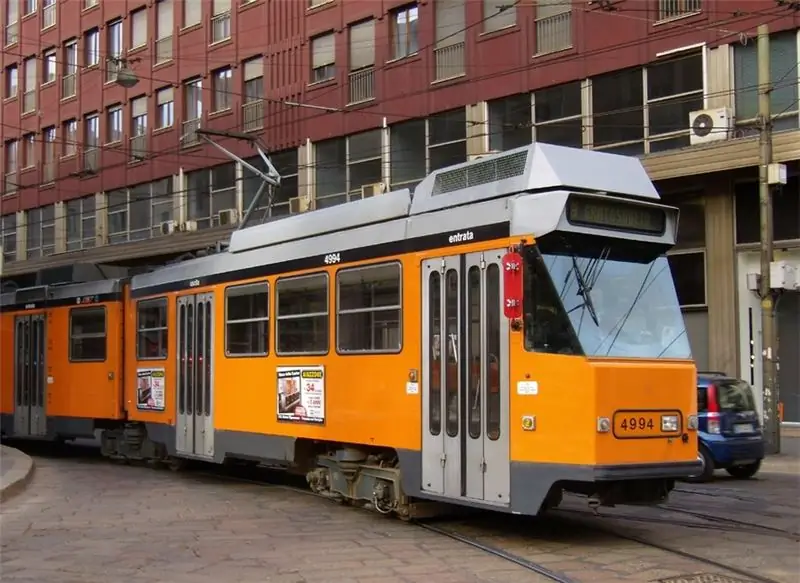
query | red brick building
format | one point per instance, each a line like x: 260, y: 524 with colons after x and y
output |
x: 358, y: 97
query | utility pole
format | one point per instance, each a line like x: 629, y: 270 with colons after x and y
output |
x: 772, y: 429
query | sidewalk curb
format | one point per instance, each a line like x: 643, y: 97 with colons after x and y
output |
x: 18, y: 477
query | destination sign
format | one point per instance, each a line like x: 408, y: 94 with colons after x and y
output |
x: 620, y: 216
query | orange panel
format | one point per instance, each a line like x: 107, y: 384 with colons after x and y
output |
x: 7, y: 358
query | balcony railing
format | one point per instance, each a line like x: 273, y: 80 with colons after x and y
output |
x: 253, y: 115
x: 190, y: 137
x: 138, y: 147
x: 49, y: 15
x: 163, y: 49
x: 68, y: 86
x: 554, y: 33
x: 221, y: 27
x: 362, y: 85
x: 449, y: 61
x: 668, y: 9
x: 12, y: 33
x: 10, y: 183
x: 29, y: 101
x: 91, y: 159
x: 48, y: 172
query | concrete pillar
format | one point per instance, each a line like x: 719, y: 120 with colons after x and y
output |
x: 477, y: 129
x: 721, y: 278
x: 100, y: 219
x: 305, y: 176
x: 22, y: 236
x: 60, y: 227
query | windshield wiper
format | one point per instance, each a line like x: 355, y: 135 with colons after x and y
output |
x: 585, y: 291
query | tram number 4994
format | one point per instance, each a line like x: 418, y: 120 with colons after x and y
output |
x: 332, y: 258
x: 636, y: 423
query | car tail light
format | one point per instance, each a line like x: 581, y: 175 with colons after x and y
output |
x: 713, y: 423
x: 713, y: 402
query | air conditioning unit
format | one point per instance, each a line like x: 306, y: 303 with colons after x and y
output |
x: 372, y: 189
x: 168, y: 227
x: 227, y: 217
x: 473, y: 157
x: 709, y: 125
x: 189, y: 226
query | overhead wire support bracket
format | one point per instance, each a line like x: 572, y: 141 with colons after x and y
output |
x: 271, y: 178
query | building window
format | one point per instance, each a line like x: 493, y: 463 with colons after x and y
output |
x: 114, y: 124
x: 313, y: 3
x: 689, y: 274
x: 91, y: 141
x: 68, y: 84
x: 194, y: 100
x: 447, y: 138
x: 48, y: 13
x: 498, y: 14
x: 361, y: 80
x: 87, y: 327
x: 164, y: 27
x: 93, y: 47
x: 139, y: 116
x: 302, y: 314
x: 405, y: 31
x: 49, y: 154
x: 12, y: 81
x: 509, y: 122
x: 553, y: 26
x: 368, y: 317
x: 618, y: 113
x: 449, y: 52
x: 8, y: 237
x: 785, y: 211
x: 28, y: 151
x: 222, y: 89
x: 70, y: 139
x: 136, y: 213
x: 29, y: 90
x: 166, y: 108
x: 115, y: 49
x: 89, y: 3
x: 408, y: 160
x: 12, y: 23
x: 41, y: 231
x: 558, y: 116
x: 209, y: 192
x: 49, y: 66
x: 192, y: 13
x: 364, y: 161
x: 152, y: 331
x: 674, y: 88
x: 247, y: 320
x: 285, y: 163
x: 323, y: 58
x: 253, y: 106
x: 221, y: 20
x: 785, y: 77
x: 668, y: 9
x: 29, y: 7
x: 345, y: 165
x: 11, y: 166
x: 81, y: 223
x: 138, y: 28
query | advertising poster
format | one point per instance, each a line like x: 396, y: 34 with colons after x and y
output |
x: 150, y: 389
x: 301, y: 394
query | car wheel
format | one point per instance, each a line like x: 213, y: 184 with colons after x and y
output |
x: 707, y: 471
x: 744, y: 472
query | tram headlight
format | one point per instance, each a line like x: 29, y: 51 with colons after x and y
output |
x: 603, y: 425
x: 691, y: 422
x: 669, y: 423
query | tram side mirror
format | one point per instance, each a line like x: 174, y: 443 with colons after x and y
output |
x: 512, y: 286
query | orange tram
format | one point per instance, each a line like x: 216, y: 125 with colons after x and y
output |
x: 508, y: 333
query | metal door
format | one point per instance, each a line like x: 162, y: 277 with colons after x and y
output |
x: 30, y: 382
x: 465, y: 396
x: 195, y: 376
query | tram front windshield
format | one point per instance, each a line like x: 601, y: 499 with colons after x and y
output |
x: 601, y: 297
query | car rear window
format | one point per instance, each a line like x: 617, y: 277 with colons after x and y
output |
x: 735, y: 396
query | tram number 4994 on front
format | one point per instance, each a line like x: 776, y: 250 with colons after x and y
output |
x: 332, y: 258
x: 634, y: 423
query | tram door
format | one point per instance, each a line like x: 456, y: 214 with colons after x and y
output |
x: 30, y: 376
x: 465, y: 379
x: 195, y: 378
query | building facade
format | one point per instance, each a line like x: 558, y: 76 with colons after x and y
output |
x: 354, y: 98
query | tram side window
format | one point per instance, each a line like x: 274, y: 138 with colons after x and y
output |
x: 302, y: 314
x: 368, y: 310
x: 247, y: 320
x: 87, y: 334
x: 151, y: 329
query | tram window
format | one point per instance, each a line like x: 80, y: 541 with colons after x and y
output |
x: 369, y: 309
x: 247, y: 320
x: 151, y: 329
x: 87, y: 334
x: 302, y: 314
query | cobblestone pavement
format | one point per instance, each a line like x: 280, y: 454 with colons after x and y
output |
x: 87, y: 520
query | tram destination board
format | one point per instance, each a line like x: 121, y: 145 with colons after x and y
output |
x: 616, y: 215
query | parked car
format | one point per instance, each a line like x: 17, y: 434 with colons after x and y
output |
x: 729, y: 428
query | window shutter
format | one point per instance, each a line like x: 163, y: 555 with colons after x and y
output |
x: 362, y: 45
x: 221, y: 6
x: 548, y: 8
x: 450, y: 22
x: 253, y: 69
x: 139, y: 28
x: 322, y: 49
x: 164, y: 96
x: 495, y: 19
x: 192, y: 13
x: 164, y: 19
x: 139, y: 107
